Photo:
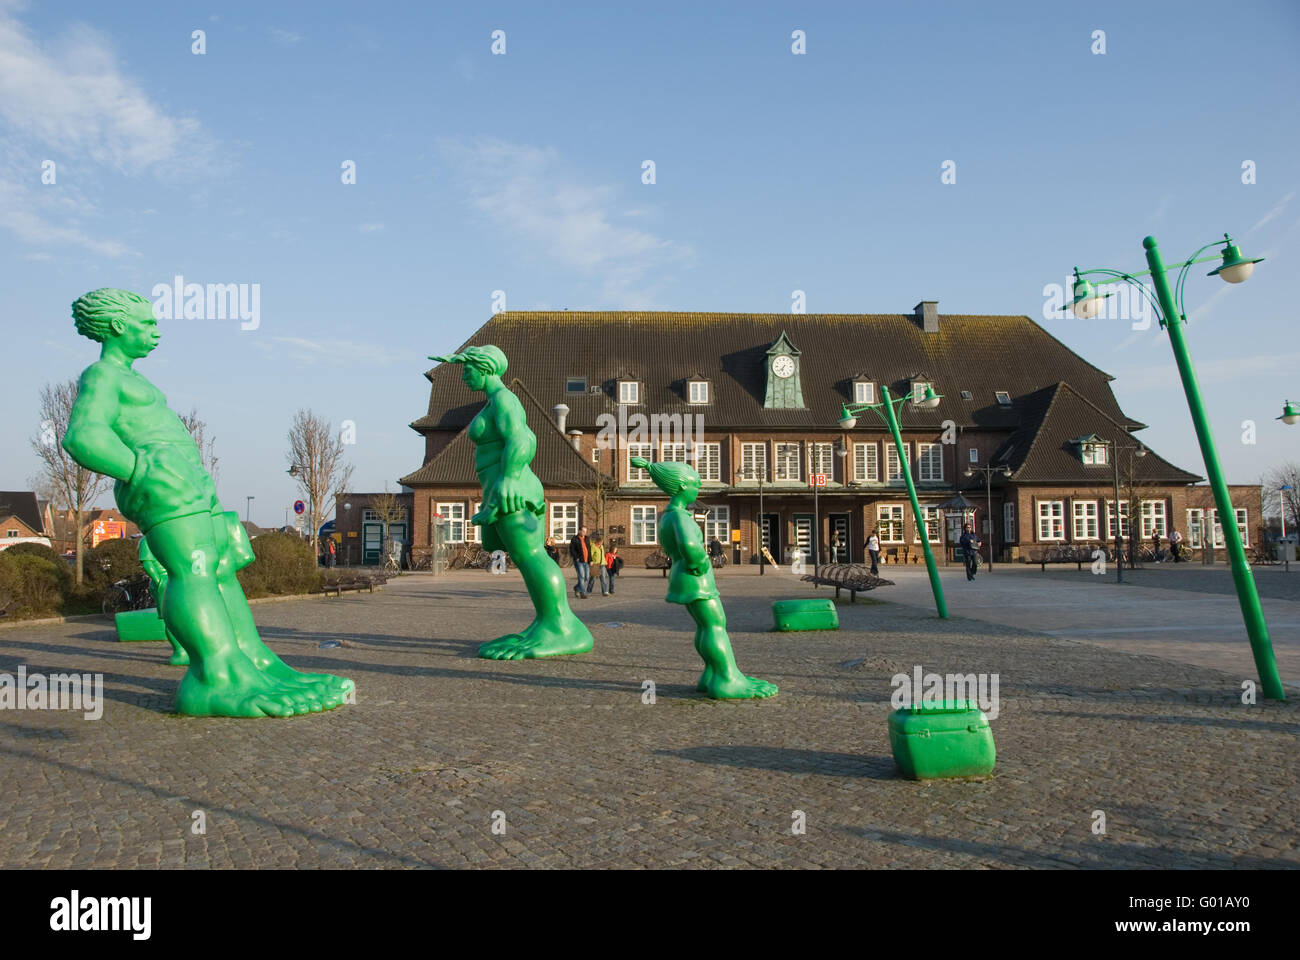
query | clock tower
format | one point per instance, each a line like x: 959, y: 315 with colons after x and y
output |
x: 784, y: 391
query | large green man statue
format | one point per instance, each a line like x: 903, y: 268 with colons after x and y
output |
x: 514, y: 507
x: 121, y: 427
x: 690, y: 583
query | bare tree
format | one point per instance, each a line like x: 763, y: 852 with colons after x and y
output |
x: 207, y: 445
x: 315, y: 460
x: 1284, y: 475
x: 389, y: 507
x: 69, y: 483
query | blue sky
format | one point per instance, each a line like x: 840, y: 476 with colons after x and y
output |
x: 522, y: 173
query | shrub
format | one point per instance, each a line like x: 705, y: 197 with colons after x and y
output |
x: 111, y: 561
x: 29, y: 585
x: 285, y: 564
x: 65, y: 573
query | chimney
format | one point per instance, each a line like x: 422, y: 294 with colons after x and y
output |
x: 576, y: 437
x: 927, y: 315
x: 561, y: 411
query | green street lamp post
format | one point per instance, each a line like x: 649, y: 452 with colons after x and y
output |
x: 1234, y: 268
x: 849, y: 420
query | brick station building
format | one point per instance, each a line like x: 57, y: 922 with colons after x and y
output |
x: 753, y: 401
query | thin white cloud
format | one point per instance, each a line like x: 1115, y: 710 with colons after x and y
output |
x: 1277, y: 210
x: 334, y: 352
x: 370, y: 227
x: 1159, y: 376
x: 532, y: 195
x: 285, y: 38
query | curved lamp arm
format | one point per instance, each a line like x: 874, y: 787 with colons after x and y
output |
x: 1132, y: 279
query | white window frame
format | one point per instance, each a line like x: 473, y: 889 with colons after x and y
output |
x: 1086, y: 524
x: 918, y: 390
x: 595, y: 454
x: 708, y: 461
x: 864, y: 391
x: 643, y: 519
x: 1243, y: 524
x: 473, y: 532
x: 974, y: 455
x: 674, y: 453
x: 454, y: 513
x: 717, y: 523
x: 866, y: 462
x: 1110, y: 520
x: 821, y: 459
x: 1002, y: 397
x: 887, y: 516
x: 560, y: 528
x: 931, y: 515
x: 1195, y: 528
x: 781, y: 461
x: 629, y: 391
x: 643, y: 450
x: 371, y: 516
x: 697, y: 392
x: 1009, y: 522
x: 928, y: 455
x: 892, y: 466
x: 1094, y: 454
x: 753, y: 459
x: 1051, y: 520
x: 1154, y: 520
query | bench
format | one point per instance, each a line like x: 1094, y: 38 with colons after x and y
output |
x: 658, y: 561
x: 355, y: 583
x: 891, y: 556
x: 853, y: 577
x: 1053, y: 556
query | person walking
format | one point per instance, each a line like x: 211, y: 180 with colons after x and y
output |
x: 613, y: 563
x: 1176, y: 545
x: 970, y: 544
x: 1155, y: 546
x: 580, y: 551
x: 598, y: 563
x: 715, y: 550
x: 873, y: 551
x: 329, y: 553
x: 552, y: 551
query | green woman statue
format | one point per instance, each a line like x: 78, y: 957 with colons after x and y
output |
x: 120, y: 426
x: 690, y: 582
x: 514, y: 507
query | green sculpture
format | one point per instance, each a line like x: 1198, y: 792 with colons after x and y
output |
x: 690, y: 582
x: 514, y: 507
x: 120, y: 426
x: 157, y: 574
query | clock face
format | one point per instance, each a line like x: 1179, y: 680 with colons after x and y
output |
x: 783, y: 367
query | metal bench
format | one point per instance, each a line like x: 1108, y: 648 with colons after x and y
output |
x: 658, y: 561
x: 853, y: 577
x: 355, y: 583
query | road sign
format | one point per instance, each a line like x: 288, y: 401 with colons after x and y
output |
x: 817, y: 479
x: 299, y: 506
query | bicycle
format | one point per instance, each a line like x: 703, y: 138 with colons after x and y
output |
x: 719, y: 561
x: 132, y: 593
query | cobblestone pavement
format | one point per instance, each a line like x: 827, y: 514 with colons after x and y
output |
x: 1184, y: 612
x: 586, y: 774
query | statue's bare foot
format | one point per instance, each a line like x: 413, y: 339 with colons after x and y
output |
x: 239, y: 689
x: 265, y: 659
x: 542, y: 638
x: 738, y: 687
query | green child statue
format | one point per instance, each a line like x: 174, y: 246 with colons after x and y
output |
x: 690, y: 582
x: 121, y: 427
x: 512, y: 513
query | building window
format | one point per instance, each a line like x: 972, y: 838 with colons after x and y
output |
x: 786, y: 456
x: 1085, y: 520
x: 454, y: 514
x: 1051, y: 520
x: 893, y: 474
x: 967, y: 395
x: 575, y: 385
x: 717, y: 523
x: 929, y: 461
x: 931, y: 515
x: 889, y: 523
x: 1094, y: 454
x: 821, y: 457
x: 11, y: 533
x: 564, y: 521
x: 473, y: 532
x: 864, y: 391
x: 1003, y: 398
x: 1195, y: 527
x: 646, y: 452
x: 629, y: 391
x: 918, y: 390
x: 974, y: 455
x: 1242, y: 527
x: 1153, y: 519
x: 698, y: 391
x: 753, y: 461
x: 371, y: 516
x: 643, y: 524
x: 595, y: 454
x: 673, y: 453
x: 1008, y: 523
x: 708, y: 461
x: 866, y: 465
x: 1110, y: 519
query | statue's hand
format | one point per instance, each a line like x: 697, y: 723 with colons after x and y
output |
x: 510, y: 495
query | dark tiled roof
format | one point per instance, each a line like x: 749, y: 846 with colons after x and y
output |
x: 982, y: 354
x: 556, y: 463
x: 21, y: 504
x: 1042, y: 449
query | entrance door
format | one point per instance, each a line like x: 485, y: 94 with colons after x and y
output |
x: 771, y: 531
x: 839, y: 543
x: 397, y: 531
x: 372, y: 542
x: 803, y: 529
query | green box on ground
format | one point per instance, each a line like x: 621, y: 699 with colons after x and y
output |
x: 936, y: 740
x: 134, y: 626
x: 805, y: 615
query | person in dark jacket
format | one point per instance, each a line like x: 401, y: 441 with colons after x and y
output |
x: 613, y: 564
x: 970, y: 544
x: 580, y: 551
x: 552, y: 550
